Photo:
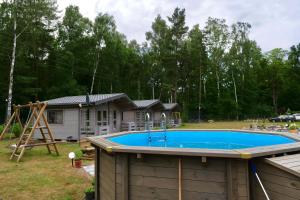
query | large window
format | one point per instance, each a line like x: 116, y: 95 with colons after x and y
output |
x: 102, y: 118
x: 55, y: 116
x: 115, y: 119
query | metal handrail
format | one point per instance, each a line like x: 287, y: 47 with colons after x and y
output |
x: 164, y: 125
x: 147, y: 126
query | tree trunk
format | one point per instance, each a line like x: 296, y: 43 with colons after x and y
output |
x: 274, y: 98
x: 236, y: 97
x: 94, y: 74
x: 218, y: 83
x: 139, y: 89
x: 204, y: 88
x: 111, y: 87
x: 200, y: 94
x: 11, y: 74
x: 153, y: 92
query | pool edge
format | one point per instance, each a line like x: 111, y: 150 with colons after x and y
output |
x: 247, y: 153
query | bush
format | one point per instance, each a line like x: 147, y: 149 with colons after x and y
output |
x: 16, y: 129
x: 293, y: 126
x: 1, y: 128
x: 90, y: 189
x: 78, y: 154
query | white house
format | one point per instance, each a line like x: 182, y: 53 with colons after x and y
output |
x: 74, y: 117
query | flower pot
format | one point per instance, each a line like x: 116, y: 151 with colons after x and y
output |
x: 89, y: 195
x: 293, y: 131
x: 78, y: 163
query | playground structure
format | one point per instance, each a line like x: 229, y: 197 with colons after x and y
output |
x: 36, y: 120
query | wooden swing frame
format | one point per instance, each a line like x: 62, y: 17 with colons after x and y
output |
x: 14, y: 117
x: 36, y: 121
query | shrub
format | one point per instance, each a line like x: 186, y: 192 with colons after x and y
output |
x: 293, y: 126
x: 1, y: 128
x: 78, y: 154
x: 89, y: 189
x: 16, y: 129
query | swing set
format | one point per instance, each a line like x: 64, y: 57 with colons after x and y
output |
x: 36, y: 120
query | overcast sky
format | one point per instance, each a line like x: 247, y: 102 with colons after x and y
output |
x: 275, y: 23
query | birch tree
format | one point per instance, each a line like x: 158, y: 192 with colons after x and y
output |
x: 13, y: 60
x: 216, y: 40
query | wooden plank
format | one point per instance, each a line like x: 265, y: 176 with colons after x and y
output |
x: 278, y: 183
x: 97, y: 172
x: 107, y: 177
x: 213, y: 164
x: 288, y: 163
x: 237, y: 179
x: 286, y: 157
x: 124, y: 177
x: 7, y: 125
x: 229, y: 177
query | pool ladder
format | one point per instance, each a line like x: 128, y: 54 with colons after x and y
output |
x: 147, y: 126
x: 163, y: 125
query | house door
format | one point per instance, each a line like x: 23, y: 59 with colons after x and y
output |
x: 102, y: 122
x: 85, y: 123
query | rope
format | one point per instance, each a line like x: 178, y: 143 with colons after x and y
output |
x: 29, y: 113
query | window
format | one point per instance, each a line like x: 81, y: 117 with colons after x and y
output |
x: 55, y: 116
x: 102, y: 118
x: 104, y: 115
x: 115, y: 119
x: 87, y: 117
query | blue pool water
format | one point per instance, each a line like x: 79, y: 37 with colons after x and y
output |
x: 201, y: 139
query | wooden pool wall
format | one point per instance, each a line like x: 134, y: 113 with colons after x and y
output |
x: 122, y: 176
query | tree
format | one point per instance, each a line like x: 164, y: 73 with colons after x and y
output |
x: 216, y: 40
x: 276, y: 67
x: 159, y: 39
x: 13, y: 59
x: 237, y: 61
x: 198, y: 65
x: 178, y: 31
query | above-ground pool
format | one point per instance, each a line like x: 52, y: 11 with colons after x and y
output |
x: 201, y: 139
x: 191, y: 165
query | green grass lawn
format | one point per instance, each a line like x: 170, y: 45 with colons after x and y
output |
x: 40, y: 175
x: 43, y: 176
x: 228, y: 125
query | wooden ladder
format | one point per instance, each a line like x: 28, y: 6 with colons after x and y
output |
x: 37, y: 121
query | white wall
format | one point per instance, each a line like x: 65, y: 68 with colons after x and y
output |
x: 69, y: 126
x: 128, y: 116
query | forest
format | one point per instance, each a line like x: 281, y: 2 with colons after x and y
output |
x: 213, y: 72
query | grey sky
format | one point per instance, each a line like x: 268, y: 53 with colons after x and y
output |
x: 275, y: 23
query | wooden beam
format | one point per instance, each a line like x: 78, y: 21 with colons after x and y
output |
x: 31, y: 105
x: 97, y: 172
x: 124, y: 176
x: 179, y: 179
x: 7, y: 125
x: 229, y: 177
x: 139, y: 156
x: 38, y: 144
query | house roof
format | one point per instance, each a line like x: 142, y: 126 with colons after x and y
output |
x: 171, y: 106
x: 95, y: 99
x: 147, y: 104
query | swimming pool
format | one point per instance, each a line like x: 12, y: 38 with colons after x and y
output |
x: 195, y: 164
x: 201, y: 139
